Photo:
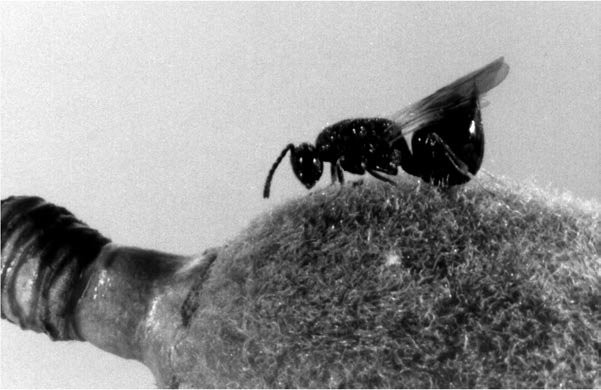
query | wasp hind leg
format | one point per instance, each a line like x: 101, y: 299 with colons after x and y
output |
x: 380, y: 177
x: 458, y: 163
x: 453, y: 159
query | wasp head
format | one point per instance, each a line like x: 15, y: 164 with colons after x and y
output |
x: 306, y: 164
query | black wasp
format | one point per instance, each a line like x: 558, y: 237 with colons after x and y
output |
x: 447, y: 138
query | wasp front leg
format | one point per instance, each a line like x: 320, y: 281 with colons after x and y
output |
x: 336, y: 172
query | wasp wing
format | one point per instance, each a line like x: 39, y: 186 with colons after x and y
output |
x: 453, y: 96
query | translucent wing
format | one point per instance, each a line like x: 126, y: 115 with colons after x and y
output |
x: 455, y: 95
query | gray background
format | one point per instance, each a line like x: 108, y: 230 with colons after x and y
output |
x: 157, y: 123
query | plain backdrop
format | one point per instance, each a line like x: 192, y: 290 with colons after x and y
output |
x: 156, y: 123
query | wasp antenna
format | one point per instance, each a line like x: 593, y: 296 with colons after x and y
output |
x: 273, y: 168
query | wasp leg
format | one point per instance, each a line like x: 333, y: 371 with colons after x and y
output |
x: 336, y: 172
x: 405, y: 157
x: 333, y: 173
x: 380, y: 177
x: 339, y: 173
x: 457, y: 163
